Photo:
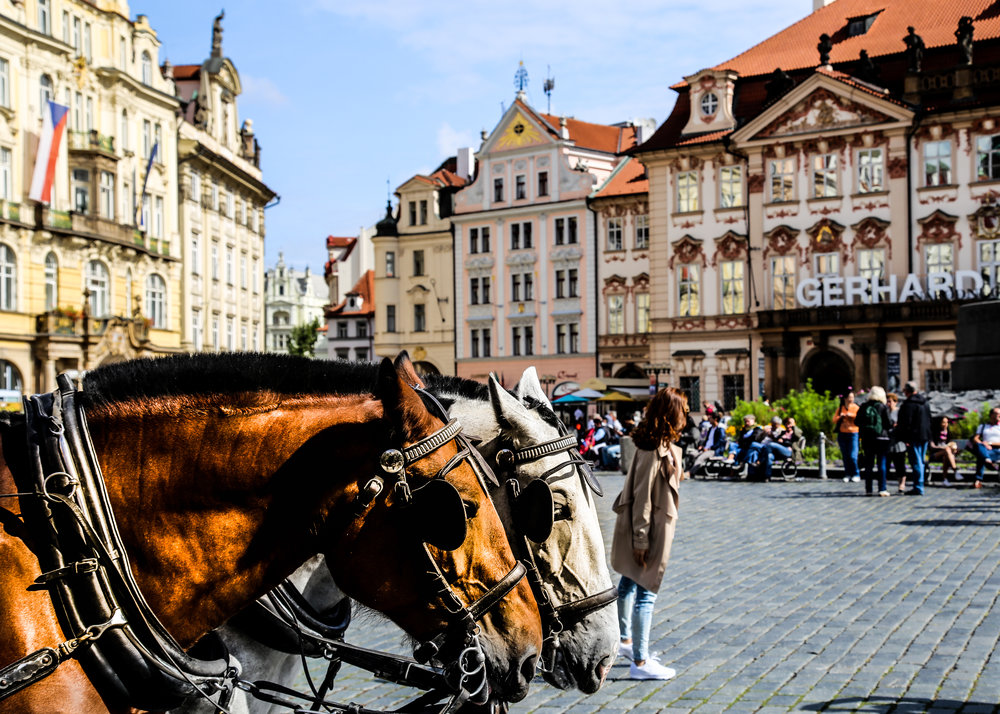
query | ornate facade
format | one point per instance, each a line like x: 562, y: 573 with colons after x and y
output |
x: 292, y: 298
x: 95, y: 275
x: 824, y: 220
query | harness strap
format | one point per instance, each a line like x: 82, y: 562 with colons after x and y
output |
x: 498, y: 592
x: 578, y: 609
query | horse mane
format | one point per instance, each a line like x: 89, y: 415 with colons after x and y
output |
x: 457, y: 386
x: 229, y: 373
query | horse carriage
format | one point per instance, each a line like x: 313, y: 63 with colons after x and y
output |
x: 154, y: 501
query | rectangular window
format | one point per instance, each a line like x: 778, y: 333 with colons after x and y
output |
x: 341, y: 330
x: 529, y: 286
x: 87, y: 43
x: 215, y: 260
x: 782, y: 180
x: 229, y: 266
x: 361, y: 328
x: 158, y: 217
x: 390, y: 318
x: 88, y: 116
x: 147, y: 143
x: 343, y: 353
x: 560, y: 232
x: 215, y: 332
x: 418, y: 262
x: 195, y: 254
x: 572, y: 283
x: 526, y: 235
x: 688, y: 289
x: 6, y: 174
x: 484, y: 239
x: 571, y: 230
x: 560, y: 283
x: 937, y: 163
x: 870, y: 171
x: 473, y: 240
x: 196, y: 331
x: 474, y: 343
x: 419, y: 318
x: 231, y: 334
x: 824, y: 175
x: 732, y: 390
x: 76, y: 36
x: 413, y: 213
x: 515, y: 236
x: 614, y: 234
x: 691, y: 387
x: 253, y: 276
x: 616, y: 314
x: 529, y: 340
x: 65, y: 27
x: 81, y: 190
x: 940, y: 258
x: 77, y: 109
x: 474, y: 291
x: 574, y: 338
x: 543, y: 183
x: 731, y: 186
x: 243, y: 271
x: 561, y: 339
x: 44, y: 17
x: 989, y: 264
x: 687, y: 191
x: 783, y: 282
x: 423, y: 213
x: 826, y: 265
x: 4, y: 83
x: 107, y: 189
x: 520, y: 188
x: 487, y: 347
x: 515, y: 341
x: 498, y: 189
x: 642, y: 232
x: 515, y: 287
x: 390, y: 264
x: 485, y: 290
x: 938, y: 380
x: 642, y: 322
x: 360, y: 354
x: 230, y: 203
x: 871, y: 264
x: 732, y: 287
x: 988, y: 158
x: 122, y: 53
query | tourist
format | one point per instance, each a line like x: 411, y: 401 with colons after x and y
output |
x: 784, y: 446
x: 847, y: 436
x: 986, y: 444
x: 712, y: 444
x: 914, y: 429
x: 943, y: 450
x: 896, y: 456
x: 873, y: 424
x: 646, y: 515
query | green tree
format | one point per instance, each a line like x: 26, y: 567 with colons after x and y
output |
x: 302, y: 341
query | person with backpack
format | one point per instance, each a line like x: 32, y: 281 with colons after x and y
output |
x: 873, y: 425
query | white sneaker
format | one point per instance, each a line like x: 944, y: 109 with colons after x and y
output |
x: 651, y: 669
x: 625, y: 650
x: 958, y: 476
x: 945, y: 482
x: 855, y: 479
x: 846, y: 480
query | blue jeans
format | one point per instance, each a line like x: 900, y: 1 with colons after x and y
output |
x: 918, y: 452
x: 982, y: 456
x: 849, y: 450
x: 770, y: 449
x: 610, y: 455
x: 634, y: 622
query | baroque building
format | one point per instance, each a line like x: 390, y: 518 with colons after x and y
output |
x: 414, y: 277
x: 350, y: 325
x: 824, y: 220
x: 222, y: 197
x: 291, y: 298
x: 525, y: 261
x: 93, y: 273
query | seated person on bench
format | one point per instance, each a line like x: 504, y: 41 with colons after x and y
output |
x: 784, y: 445
x: 746, y: 437
x: 986, y: 444
x: 714, y: 443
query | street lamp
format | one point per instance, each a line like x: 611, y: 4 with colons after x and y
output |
x: 547, y: 381
x: 655, y: 370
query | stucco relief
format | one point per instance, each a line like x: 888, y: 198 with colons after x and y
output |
x: 568, y: 254
x: 755, y: 183
x: 821, y: 111
x: 520, y: 259
x: 688, y: 250
x: 826, y: 236
x: 939, y: 227
x: 730, y: 246
x: 782, y: 241
x: 986, y: 220
x: 734, y: 322
x: 896, y: 167
x: 479, y: 261
x: 872, y: 232
x: 697, y: 323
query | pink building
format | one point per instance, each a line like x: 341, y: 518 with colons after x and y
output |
x: 525, y: 241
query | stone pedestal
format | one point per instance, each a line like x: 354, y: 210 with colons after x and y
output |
x: 977, y: 350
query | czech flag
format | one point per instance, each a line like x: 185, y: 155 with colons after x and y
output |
x: 53, y: 124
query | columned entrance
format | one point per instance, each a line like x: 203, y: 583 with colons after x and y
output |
x: 829, y: 370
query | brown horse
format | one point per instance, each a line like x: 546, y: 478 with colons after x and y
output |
x: 227, y: 473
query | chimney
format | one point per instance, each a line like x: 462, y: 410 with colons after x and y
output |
x: 817, y: 4
x: 464, y: 162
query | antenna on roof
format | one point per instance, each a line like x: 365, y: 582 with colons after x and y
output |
x: 548, y: 86
x: 521, y: 80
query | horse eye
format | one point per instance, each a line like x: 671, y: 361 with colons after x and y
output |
x: 471, y: 509
x: 562, y: 511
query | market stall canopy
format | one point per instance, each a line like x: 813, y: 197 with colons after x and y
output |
x: 616, y: 397
x: 582, y: 395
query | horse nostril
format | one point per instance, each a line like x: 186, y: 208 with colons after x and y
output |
x: 528, y: 668
x: 603, y: 667
x: 522, y: 678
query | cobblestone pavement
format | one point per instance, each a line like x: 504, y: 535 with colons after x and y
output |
x: 802, y: 596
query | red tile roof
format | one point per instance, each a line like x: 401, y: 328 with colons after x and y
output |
x: 340, y: 241
x: 934, y: 20
x: 186, y: 71
x: 601, y: 137
x: 628, y: 179
x: 365, y: 289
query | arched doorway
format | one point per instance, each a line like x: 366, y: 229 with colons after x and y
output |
x: 630, y: 371
x: 829, y: 370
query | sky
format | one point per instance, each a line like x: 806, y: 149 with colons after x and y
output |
x: 350, y: 98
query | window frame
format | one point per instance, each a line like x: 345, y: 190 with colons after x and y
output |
x: 543, y: 183
x: 866, y: 162
x: 687, y: 191
x: 825, y: 176
x: 8, y: 278
x: 731, y: 184
x: 615, y: 229
x: 990, y: 154
x: 939, y: 248
x: 733, y: 303
x: 933, y: 177
x: 390, y: 318
x: 641, y: 230
x: 156, y: 300
x: 785, y: 179
x: 419, y: 317
x: 616, y: 313
x: 51, y: 281
x: 689, y: 300
x: 643, y: 321
x: 786, y: 280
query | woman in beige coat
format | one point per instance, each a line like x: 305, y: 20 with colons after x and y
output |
x: 644, y: 529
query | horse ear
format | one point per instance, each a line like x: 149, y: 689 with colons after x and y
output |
x: 529, y: 386
x: 402, y: 405
x: 405, y: 367
x: 504, y: 405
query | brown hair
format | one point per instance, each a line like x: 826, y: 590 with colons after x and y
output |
x: 663, y: 421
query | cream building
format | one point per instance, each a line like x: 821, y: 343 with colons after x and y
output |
x: 291, y: 298
x: 90, y: 57
x: 414, y: 270
x: 222, y: 201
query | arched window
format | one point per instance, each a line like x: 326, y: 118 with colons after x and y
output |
x: 123, y: 132
x: 51, y: 282
x: 156, y: 300
x: 45, y: 92
x: 99, y: 284
x: 147, y: 69
x: 8, y: 278
x: 10, y: 383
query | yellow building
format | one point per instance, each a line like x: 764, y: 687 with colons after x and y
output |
x: 94, y: 276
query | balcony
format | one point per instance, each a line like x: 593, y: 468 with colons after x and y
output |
x: 879, y: 313
x: 91, y: 141
x: 10, y: 211
x: 67, y: 322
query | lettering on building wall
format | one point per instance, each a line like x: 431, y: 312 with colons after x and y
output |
x: 836, y: 290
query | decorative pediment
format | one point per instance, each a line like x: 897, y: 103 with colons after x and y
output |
x: 731, y: 246
x: 782, y: 241
x: 826, y: 236
x: 641, y: 281
x: 986, y: 220
x: 688, y: 250
x: 939, y: 227
x: 870, y: 233
x: 516, y: 132
x: 614, y: 282
x: 822, y: 110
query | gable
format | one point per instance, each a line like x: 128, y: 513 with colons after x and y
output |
x: 517, y: 133
x: 821, y: 111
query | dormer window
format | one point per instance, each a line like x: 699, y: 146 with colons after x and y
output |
x: 860, y: 25
x: 709, y: 104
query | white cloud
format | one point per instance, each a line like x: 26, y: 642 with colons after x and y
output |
x: 450, y: 140
x: 262, y: 90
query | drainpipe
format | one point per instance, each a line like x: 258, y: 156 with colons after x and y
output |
x: 727, y: 146
x: 917, y: 118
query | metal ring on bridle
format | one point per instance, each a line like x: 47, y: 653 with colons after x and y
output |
x: 505, y: 458
x: 392, y: 461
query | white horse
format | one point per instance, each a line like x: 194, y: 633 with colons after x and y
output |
x: 571, y: 561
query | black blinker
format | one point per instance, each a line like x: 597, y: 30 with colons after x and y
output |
x: 438, y: 515
x: 534, y: 511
